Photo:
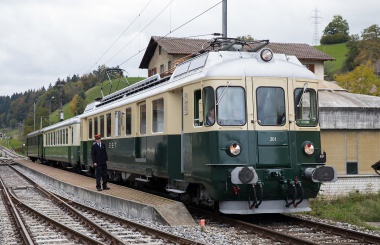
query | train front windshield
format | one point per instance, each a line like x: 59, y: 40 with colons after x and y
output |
x: 270, y: 106
x: 230, y: 106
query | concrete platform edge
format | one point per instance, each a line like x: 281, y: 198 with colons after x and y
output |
x: 134, y: 209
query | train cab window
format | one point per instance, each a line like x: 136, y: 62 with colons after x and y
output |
x: 158, y: 116
x: 197, y: 97
x: 270, y: 106
x: 306, y: 107
x: 143, y: 119
x: 108, y: 124
x: 118, y: 123
x: 208, y: 106
x: 231, y: 106
x: 90, y: 129
x: 101, y: 125
x: 128, y: 121
x: 96, y: 125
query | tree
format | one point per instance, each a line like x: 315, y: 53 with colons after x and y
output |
x: 361, y: 80
x: 337, y: 31
x: 77, y: 105
x: 370, y: 47
x: 353, y: 46
x: 246, y: 38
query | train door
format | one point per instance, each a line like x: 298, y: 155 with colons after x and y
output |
x: 271, y: 124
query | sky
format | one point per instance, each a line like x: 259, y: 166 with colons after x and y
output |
x: 43, y: 40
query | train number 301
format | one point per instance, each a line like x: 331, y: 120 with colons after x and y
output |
x: 272, y: 139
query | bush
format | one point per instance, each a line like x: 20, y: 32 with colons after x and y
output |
x: 334, y: 39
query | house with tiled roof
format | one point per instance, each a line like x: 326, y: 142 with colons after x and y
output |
x: 163, y: 53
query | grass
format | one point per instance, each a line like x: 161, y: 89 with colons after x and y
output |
x: 337, y: 51
x: 356, y: 208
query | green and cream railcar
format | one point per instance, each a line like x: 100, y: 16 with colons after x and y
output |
x: 61, y: 143
x: 233, y: 128
x: 34, y: 147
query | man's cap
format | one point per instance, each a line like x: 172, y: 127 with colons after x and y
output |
x: 98, y: 136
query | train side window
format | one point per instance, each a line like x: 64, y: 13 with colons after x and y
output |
x: 306, y: 107
x: 143, y: 119
x: 95, y: 125
x: 208, y: 106
x: 67, y: 136
x: 158, y: 116
x: 118, y: 123
x: 231, y: 107
x: 197, y: 97
x: 101, y: 125
x: 128, y: 121
x: 90, y: 129
x: 108, y: 124
x: 270, y: 106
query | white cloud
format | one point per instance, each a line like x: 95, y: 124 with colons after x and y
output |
x: 41, y: 41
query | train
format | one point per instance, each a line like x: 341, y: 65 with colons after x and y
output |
x: 235, y: 128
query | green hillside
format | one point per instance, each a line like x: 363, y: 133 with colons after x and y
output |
x: 94, y: 93
x: 337, y: 51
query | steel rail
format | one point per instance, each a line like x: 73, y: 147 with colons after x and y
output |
x: 20, y: 224
x: 151, y: 231
x: 262, y: 231
x: 360, y: 236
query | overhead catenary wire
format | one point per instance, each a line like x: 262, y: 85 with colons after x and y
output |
x: 140, y: 31
x: 171, y: 31
x: 119, y: 36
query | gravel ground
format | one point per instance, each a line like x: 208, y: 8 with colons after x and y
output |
x: 213, y: 233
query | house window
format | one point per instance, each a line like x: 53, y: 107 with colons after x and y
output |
x: 159, y: 50
x: 352, y: 167
x: 169, y: 65
x: 152, y: 71
x: 311, y: 67
x: 161, y: 68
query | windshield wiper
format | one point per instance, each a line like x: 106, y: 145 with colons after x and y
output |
x: 303, y: 92
x: 224, y: 91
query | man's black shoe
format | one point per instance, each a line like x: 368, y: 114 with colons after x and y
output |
x: 106, y: 188
x: 99, y: 189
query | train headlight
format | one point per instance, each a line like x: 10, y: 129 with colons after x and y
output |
x: 233, y: 148
x: 308, y: 148
x: 266, y: 55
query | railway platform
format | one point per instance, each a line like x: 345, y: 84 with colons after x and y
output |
x: 136, y: 203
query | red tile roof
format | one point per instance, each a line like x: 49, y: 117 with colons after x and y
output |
x: 187, y: 46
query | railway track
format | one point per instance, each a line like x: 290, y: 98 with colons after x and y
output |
x: 50, y: 220
x: 284, y: 229
x: 7, y: 154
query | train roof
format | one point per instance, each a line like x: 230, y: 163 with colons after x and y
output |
x: 67, y: 122
x: 211, y: 64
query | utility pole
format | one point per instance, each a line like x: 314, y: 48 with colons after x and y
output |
x: 60, y: 85
x: 34, y: 114
x: 316, y: 20
x: 224, y: 18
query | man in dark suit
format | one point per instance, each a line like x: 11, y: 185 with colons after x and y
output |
x: 100, y: 161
